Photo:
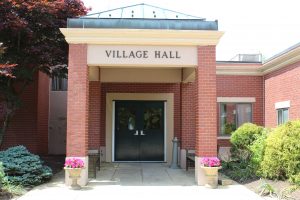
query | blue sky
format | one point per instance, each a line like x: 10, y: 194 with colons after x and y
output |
x: 256, y: 26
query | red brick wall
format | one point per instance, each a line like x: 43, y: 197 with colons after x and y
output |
x: 94, y: 114
x: 25, y: 128
x: 78, y: 101
x: 282, y: 85
x: 22, y: 129
x: 224, y: 143
x: 42, y: 113
x: 206, y: 115
x: 140, y: 88
x: 188, y: 106
x: 241, y: 86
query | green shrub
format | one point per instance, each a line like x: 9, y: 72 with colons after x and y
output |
x: 282, y: 153
x: 23, y: 168
x: 238, y: 171
x: 243, y: 138
x: 257, y: 150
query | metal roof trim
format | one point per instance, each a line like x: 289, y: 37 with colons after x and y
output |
x: 137, y: 23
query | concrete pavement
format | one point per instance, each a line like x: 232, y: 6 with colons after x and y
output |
x: 138, y: 181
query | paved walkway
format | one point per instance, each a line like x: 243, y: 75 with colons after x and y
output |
x: 141, y: 181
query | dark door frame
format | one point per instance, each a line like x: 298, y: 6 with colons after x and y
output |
x: 113, y: 131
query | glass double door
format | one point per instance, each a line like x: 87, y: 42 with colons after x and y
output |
x: 139, y: 131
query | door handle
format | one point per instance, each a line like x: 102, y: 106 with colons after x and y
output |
x: 136, y: 132
x: 142, y: 132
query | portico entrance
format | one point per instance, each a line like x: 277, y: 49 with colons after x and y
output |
x: 135, y: 84
x: 139, y: 133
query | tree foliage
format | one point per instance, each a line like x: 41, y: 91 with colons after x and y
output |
x: 30, y: 38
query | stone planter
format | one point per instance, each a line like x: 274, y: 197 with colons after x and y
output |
x: 74, y: 174
x: 211, y: 174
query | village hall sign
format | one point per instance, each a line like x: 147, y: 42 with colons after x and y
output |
x: 121, y: 55
x: 144, y: 54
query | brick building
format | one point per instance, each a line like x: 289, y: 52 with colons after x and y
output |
x: 135, y: 84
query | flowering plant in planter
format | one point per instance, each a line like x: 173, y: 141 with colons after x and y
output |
x: 210, y: 162
x: 210, y: 166
x: 74, y: 163
x: 74, y: 167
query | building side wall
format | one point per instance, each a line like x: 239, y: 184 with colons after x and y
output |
x: 282, y: 85
x: 94, y: 115
x: 241, y: 86
x: 22, y: 129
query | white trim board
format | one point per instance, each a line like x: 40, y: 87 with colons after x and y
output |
x: 283, y: 104
x: 236, y: 99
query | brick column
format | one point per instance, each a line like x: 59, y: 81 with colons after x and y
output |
x: 206, y: 107
x: 77, y: 108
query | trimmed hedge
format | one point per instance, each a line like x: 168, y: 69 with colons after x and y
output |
x: 282, y: 153
x: 24, y: 168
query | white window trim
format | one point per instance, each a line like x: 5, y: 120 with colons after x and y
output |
x: 282, y: 104
x: 236, y: 99
x: 223, y: 137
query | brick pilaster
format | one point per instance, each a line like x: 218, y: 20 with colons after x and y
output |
x: 78, y: 100
x: 94, y: 115
x: 206, y: 106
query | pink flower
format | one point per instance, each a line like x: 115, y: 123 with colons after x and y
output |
x: 74, y: 163
x: 210, y: 161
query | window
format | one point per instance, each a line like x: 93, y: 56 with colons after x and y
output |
x: 59, y: 84
x: 233, y: 115
x: 282, y: 115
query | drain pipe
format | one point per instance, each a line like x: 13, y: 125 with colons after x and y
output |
x: 174, y: 164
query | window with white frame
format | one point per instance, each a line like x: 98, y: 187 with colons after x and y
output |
x: 282, y: 115
x: 233, y: 115
x: 59, y: 84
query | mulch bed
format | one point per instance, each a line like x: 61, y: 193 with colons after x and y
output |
x: 56, y: 163
x: 279, y: 186
x: 5, y: 195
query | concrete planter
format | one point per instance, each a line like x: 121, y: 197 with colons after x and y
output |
x: 74, y: 175
x: 211, y: 174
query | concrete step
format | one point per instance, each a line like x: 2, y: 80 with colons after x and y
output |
x: 225, y: 181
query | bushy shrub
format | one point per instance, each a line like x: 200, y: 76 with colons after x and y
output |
x: 238, y: 171
x: 282, y: 153
x: 23, y: 168
x: 243, y: 138
x: 246, y: 152
x: 257, y: 150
